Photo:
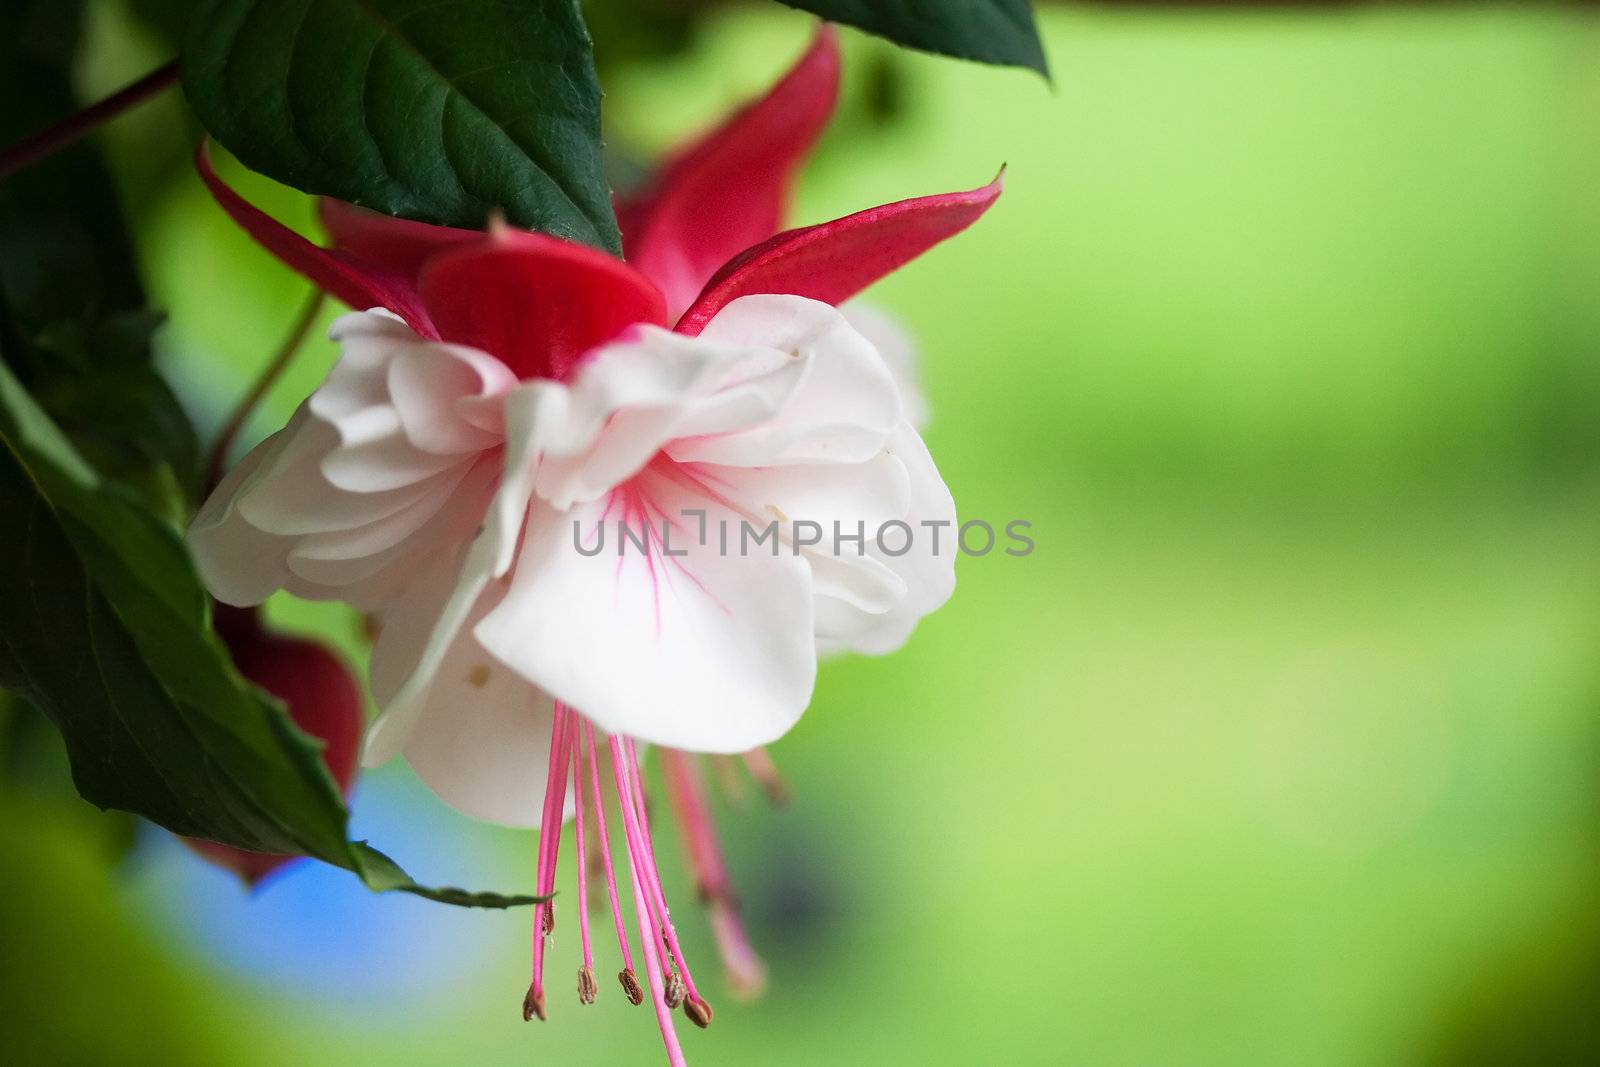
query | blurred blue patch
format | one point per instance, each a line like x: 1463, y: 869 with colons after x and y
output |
x: 313, y: 932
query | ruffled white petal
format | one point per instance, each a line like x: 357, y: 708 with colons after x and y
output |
x: 239, y: 563
x: 845, y: 621
x: 380, y: 468
x: 842, y: 410
x: 633, y: 396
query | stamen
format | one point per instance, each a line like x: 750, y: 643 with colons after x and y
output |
x: 652, y: 965
x: 630, y: 984
x: 699, y: 1012
x: 587, y: 989
x: 638, y: 852
x: 555, y: 798
x: 746, y: 974
x: 759, y: 763
x: 634, y: 783
x: 583, y: 874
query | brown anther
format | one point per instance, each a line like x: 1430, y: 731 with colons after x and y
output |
x: 630, y: 986
x: 675, y: 990
x: 587, y: 990
x: 549, y: 918
x: 533, y: 1004
x: 698, y: 1011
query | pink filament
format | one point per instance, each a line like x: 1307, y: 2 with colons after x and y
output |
x: 653, y: 876
x: 686, y: 791
x: 555, y: 798
x: 652, y: 965
x: 761, y: 767
x: 577, y: 831
x: 637, y: 848
x: 605, y: 842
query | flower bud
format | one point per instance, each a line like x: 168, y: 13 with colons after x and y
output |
x: 321, y: 697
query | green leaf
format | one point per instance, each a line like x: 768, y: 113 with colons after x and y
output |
x: 437, y: 110
x: 990, y: 31
x: 104, y: 628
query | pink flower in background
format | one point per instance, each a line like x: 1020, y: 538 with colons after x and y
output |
x: 511, y: 395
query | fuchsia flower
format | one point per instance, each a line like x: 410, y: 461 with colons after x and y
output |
x: 508, y: 396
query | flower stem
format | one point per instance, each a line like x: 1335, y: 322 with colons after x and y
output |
x: 241, y: 413
x: 68, y: 130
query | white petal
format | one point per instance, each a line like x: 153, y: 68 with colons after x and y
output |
x: 240, y: 564
x: 448, y: 517
x: 475, y: 732
x: 381, y: 470
x: 632, y: 396
x: 417, y: 634
x: 852, y: 496
x: 292, y: 496
x: 928, y: 574
x: 427, y: 384
x: 382, y: 463
x: 833, y: 511
x: 864, y: 583
x: 842, y: 410
x: 708, y: 651
x: 431, y: 617
x: 483, y: 745
x: 899, y: 352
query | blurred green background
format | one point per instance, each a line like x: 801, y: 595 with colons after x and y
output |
x: 1282, y: 748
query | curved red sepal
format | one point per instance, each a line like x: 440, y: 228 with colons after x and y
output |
x: 728, y: 190
x: 361, y: 285
x: 834, y: 261
x: 535, y: 302
x: 397, y: 245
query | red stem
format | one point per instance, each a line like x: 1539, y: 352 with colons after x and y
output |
x: 40, y: 145
x: 307, y: 318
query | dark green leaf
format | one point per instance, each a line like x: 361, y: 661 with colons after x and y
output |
x: 104, y: 628
x: 437, y: 110
x: 73, y: 321
x: 990, y: 31
x: 165, y: 18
